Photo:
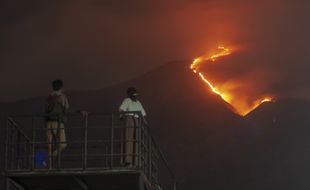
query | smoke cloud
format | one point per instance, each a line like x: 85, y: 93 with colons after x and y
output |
x: 101, y: 42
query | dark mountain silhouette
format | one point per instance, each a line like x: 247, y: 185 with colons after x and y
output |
x: 282, y: 144
x: 207, y: 145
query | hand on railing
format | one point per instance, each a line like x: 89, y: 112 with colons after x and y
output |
x: 144, y: 121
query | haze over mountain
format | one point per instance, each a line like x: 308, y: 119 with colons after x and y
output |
x: 95, y: 43
x: 207, y: 145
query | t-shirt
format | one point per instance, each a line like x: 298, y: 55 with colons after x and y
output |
x: 62, y: 99
x: 57, y: 106
x: 130, y: 105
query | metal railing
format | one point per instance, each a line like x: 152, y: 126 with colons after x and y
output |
x: 94, y: 142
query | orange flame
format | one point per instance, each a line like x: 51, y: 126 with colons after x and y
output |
x: 260, y: 101
x: 240, y: 109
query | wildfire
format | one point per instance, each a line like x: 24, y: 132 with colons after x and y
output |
x: 260, y: 101
x: 241, y: 108
x: 222, y: 52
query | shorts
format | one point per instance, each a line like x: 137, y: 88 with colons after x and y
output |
x: 52, y: 128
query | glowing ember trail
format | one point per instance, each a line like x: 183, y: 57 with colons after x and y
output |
x: 240, y: 108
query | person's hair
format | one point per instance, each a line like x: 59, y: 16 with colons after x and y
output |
x: 57, y: 85
x: 131, y: 91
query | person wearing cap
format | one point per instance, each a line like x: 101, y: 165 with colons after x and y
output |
x: 132, y: 121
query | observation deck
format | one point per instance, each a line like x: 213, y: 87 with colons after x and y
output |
x: 92, y: 160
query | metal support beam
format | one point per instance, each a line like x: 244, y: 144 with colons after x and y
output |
x: 7, y: 184
x: 10, y: 182
x: 85, y: 143
x: 141, y: 182
x: 81, y: 183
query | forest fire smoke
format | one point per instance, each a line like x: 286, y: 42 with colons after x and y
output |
x: 242, y: 106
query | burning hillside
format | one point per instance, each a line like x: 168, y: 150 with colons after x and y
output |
x: 231, y: 91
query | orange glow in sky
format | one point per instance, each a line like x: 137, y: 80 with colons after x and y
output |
x: 241, y: 108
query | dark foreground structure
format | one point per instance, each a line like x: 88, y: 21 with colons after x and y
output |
x: 93, y: 159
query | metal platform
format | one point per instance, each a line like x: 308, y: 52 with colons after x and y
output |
x: 93, y: 159
x: 98, y: 180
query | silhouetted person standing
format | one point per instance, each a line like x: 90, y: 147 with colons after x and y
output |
x: 56, y: 108
x: 132, y: 121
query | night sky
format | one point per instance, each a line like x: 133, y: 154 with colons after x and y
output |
x: 96, y: 43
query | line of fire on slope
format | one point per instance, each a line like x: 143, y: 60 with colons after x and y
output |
x: 93, y: 159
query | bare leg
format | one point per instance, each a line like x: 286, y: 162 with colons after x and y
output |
x: 61, y: 140
x: 128, y: 140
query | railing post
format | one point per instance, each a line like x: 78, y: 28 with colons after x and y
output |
x: 18, y: 151
x: 24, y: 154
x: 59, y: 143
x: 122, y: 141
x: 174, y: 184
x: 32, y: 160
x: 138, y: 142
x: 12, y: 160
x: 143, y: 147
x: 85, y: 143
x: 7, y: 183
x: 6, y: 145
x: 25, y: 157
x: 149, y: 156
x: 112, y: 140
